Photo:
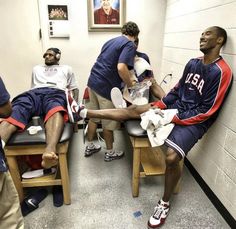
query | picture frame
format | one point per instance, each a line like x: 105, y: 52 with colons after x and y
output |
x: 106, y: 15
x: 57, y: 12
x: 58, y: 21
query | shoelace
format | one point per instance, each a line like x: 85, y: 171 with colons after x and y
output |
x: 158, y: 211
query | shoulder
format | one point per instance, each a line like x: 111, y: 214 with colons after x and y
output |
x: 66, y: 68
x: 223, y: 66
x: 143, y: 55
x: 114, y: 11
x: 38, y: 67
x: 121, y: 41
x: 98, y: 11
x: 196, y: 60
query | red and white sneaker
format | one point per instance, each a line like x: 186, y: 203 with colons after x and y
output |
x: 74, y: 109
x: 159, y: 216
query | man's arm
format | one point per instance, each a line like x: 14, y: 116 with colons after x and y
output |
x: 156, y: 89
x: 5, y: 105
x: 75, y: 94
x: 173, y: 95
x: 72, y: 85
x: 125, y: 74
x: 5, y: 110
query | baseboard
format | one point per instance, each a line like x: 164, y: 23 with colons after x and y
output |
x: 210, y: 194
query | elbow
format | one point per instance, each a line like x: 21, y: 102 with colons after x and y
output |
x: 6, y: 110
x: 121, y: 68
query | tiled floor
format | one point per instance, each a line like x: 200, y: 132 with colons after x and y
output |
x: 102, y: 199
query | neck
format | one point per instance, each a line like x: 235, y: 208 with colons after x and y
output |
x: 129, y: 37
x: 107, y: 11
x: 210, y: 57
x: 209, y: 60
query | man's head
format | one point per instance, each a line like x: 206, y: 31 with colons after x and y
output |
x: 106, y: 4
x: 212, y: 38
x: 131, y: 29
x: 52, y: 56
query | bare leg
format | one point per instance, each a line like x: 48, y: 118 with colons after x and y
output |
x: 131, y: 112
x: 172, y: 174
x: 92, y: 127
x: 54, y: 127
x: 109, y: 138
x: 6, y: 130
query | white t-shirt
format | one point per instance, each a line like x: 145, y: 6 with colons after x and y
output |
x: 54, y: 76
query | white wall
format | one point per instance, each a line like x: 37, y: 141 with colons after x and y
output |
x: 20, y: 46
x: 214, y: 157
x: 80, y: 50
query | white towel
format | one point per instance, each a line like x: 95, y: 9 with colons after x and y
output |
x: 158, y: 125
x: 158, y: 136
x: 141, y: 65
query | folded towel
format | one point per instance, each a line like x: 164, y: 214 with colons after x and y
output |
x: 158, y: 125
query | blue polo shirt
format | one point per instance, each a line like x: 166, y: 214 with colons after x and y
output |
x: 4, y: 98
x: 104, y: 73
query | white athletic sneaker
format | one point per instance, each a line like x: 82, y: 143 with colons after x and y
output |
x: 113, y: 155
x: 91, y: 149
x: 117, y: 98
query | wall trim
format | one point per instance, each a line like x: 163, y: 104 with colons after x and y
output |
x: 211, y: 195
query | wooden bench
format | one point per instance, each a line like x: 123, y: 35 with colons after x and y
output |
x: 147, y: 161
x: 24, y: 144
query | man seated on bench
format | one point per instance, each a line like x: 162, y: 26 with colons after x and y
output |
x: 46, y: 98
x: 197, y: 97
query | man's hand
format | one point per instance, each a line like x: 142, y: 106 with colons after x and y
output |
x: 168, y: 116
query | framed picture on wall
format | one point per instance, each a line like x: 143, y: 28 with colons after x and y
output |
x: 57, y: 12
x: 106, y: 15
x: 58, y: 21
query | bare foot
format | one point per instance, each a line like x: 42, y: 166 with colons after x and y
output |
x: 49, y: 160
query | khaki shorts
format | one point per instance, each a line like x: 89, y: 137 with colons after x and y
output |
x: 10, y: 213
x: 97, y: 102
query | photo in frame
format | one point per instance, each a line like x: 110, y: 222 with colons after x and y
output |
x: 106, y: 15
x: 58, y: 21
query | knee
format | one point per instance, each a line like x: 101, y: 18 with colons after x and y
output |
x: 172, y: 158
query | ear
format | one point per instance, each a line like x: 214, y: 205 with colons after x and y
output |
x: 220, y: 40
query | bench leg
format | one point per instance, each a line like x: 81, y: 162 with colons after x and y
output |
x: 15, y: 174
x: 136, y: 171
x: 65, y: 178
x: 177, y: 187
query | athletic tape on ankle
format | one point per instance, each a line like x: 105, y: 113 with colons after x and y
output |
x: 3, y: 143
x: 83, y: 113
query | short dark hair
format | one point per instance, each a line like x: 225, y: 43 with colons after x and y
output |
x: 136, y: 41
x: 221, y: 33
x: 56, y: 50
x: 130, y: 28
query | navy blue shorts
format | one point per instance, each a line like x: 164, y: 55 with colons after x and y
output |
x: 183, y: 138
x: 37, y: 102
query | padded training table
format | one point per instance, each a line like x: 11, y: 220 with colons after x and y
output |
x: 21, y: 143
